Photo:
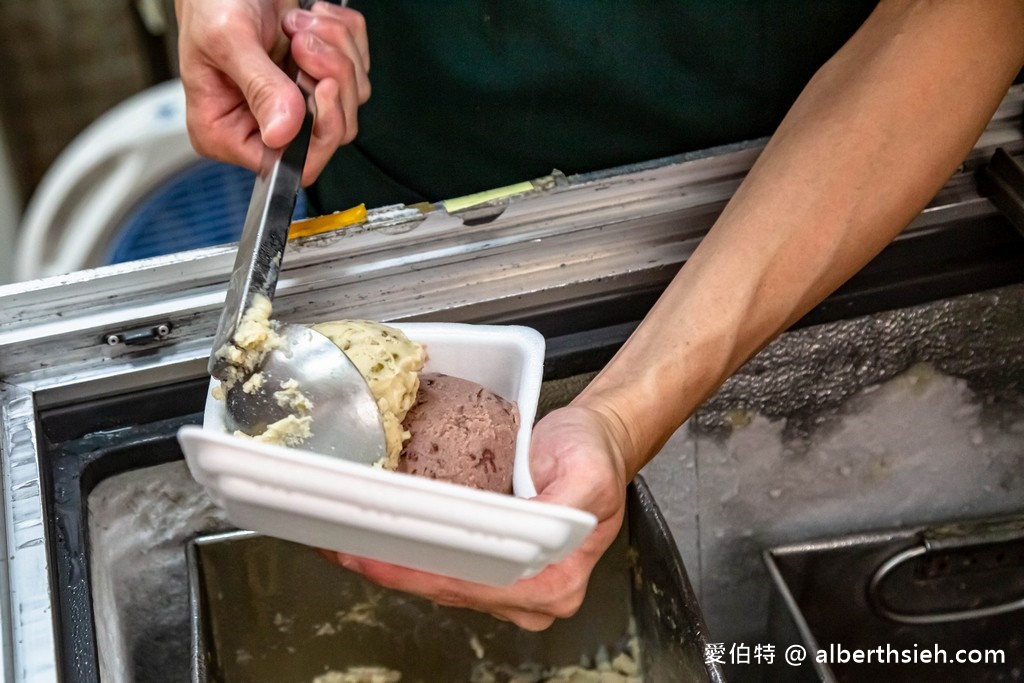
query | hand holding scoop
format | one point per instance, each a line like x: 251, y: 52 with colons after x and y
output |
x: 302, y: 374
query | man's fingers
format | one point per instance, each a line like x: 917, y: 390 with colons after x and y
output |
x: 581, y: 468
x: 337, y: 99
x: 449, y: 592
x: 329, y: 44
x: 221, y: 127
x: 326, y: 48
x: 534, y: 604
x: 330, y: 130
x: 274, y: 99
x: 531, y: 621
x: 440, y: 589
x: 356, y: 25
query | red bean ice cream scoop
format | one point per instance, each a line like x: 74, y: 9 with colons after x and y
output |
x: 462, y: 433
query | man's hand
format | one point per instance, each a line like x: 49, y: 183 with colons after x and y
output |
x: 238, y: 98
x: 575, y: 461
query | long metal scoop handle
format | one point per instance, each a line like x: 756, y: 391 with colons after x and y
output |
x: 265, y: 232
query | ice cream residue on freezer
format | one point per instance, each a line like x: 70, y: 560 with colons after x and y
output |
x: 623, y: 667
x: 254, y: 338
x: 361, y: 674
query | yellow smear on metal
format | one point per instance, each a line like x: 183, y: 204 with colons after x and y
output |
x: 332, y: 221
x: 459, y: 203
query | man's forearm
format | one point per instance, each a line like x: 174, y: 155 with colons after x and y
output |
x: 875, y: 134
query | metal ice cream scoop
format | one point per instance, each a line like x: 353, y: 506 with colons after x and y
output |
x: 310, y: 378
x: 346, y: 421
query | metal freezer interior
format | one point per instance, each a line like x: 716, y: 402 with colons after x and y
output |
x: 263, y: 609
x: 957, y: 585
x: 95, y: 366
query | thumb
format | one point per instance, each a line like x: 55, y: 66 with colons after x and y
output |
x: 274, y: 100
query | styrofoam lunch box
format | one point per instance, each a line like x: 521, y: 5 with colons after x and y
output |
x: 433, y: 526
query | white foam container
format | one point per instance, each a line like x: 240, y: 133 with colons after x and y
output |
x: 434, y: 526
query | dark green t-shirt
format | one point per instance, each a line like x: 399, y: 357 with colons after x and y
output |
x: 470, y: 95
